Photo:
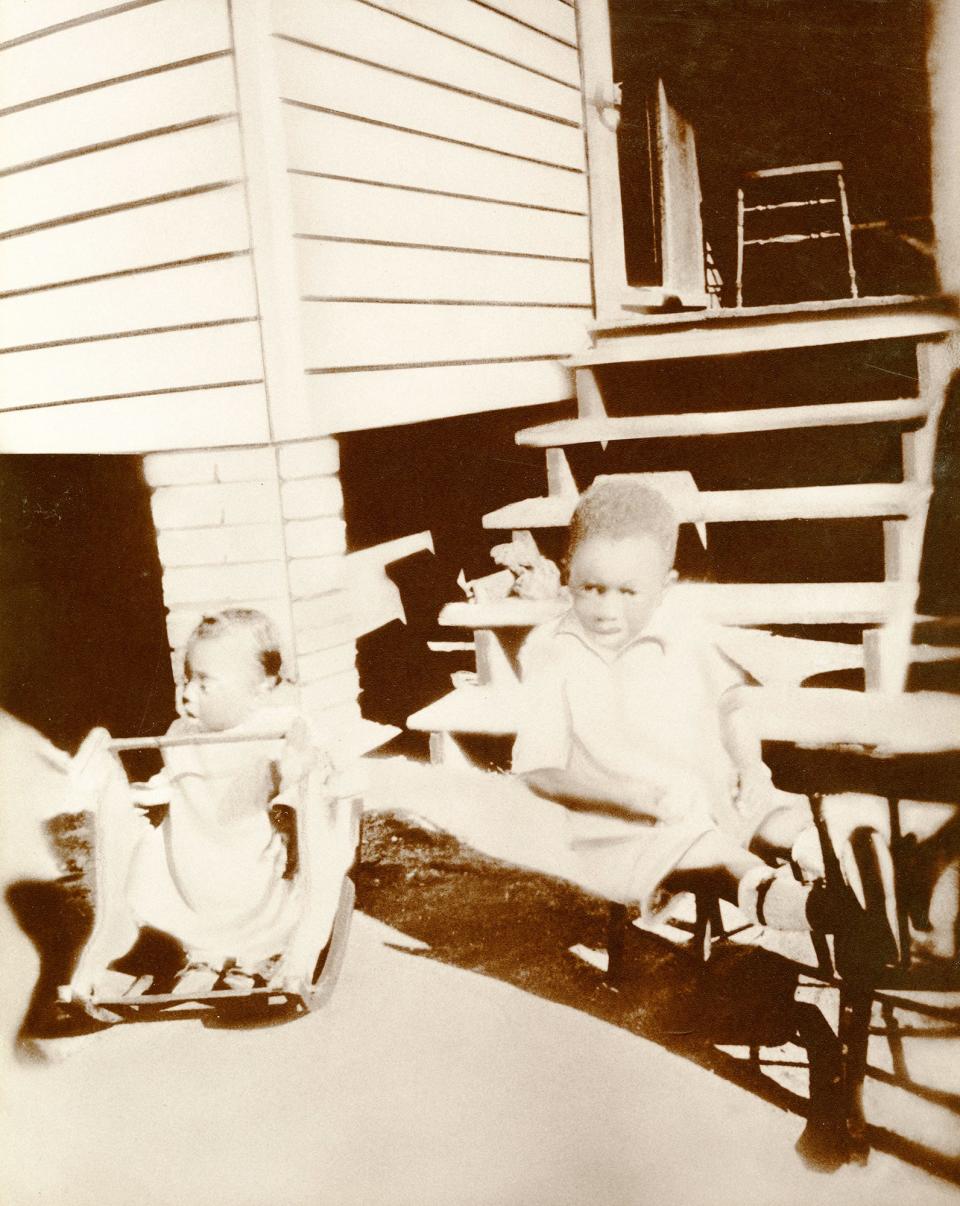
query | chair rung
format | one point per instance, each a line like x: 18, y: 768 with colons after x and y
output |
x: 756, y: 209
x: 793, y: 238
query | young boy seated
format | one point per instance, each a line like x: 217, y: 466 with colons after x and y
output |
x: 630, y: 720
x: 213, y: 873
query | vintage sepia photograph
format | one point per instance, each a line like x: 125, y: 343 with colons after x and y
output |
x: 480, y: 602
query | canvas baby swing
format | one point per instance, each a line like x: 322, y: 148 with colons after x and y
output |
x: 256, y: 888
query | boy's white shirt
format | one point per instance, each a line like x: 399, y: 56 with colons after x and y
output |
x: 618, y: 712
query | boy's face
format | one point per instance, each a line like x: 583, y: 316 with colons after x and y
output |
x: 616, y: 585
x: 223, y: 681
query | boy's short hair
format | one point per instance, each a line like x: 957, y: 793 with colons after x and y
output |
x: 263, y: 635
x: 619, y: 508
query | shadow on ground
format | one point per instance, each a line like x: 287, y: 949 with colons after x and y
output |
x: 518, y: 926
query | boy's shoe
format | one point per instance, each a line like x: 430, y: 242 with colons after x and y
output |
x: 916, y: 885
x: 862, y: 913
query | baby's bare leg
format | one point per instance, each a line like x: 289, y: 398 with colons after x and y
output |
x: 103, y: 787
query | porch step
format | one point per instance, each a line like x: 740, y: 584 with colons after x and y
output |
x: 882, y: 499
x: 722, y: 602
x: 728, y: 332
x: 494, y: 711
x: 720, y: 422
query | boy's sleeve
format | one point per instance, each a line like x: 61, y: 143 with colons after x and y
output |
x: 544, y: 733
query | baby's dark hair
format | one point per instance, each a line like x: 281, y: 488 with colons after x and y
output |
x: 262, y: 632
x: 619, y: 508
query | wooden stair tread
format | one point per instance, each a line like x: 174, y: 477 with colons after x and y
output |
x: 493, y: 711
x: 884, y: 499
x: 720, y: 422
x: 722, y: 602
x: 725, y: 332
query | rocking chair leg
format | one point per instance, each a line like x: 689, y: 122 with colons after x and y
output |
x: 618, y: 920
x: 854, y: 1034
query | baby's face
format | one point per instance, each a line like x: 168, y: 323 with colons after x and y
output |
x: 616, y: 586
x: 223, y: 681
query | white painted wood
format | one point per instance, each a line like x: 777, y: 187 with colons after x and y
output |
x: 355, y: 401
x: 165, y: 232
x: 137, y: 40
x: 492, y: 710
x: 186, y: 159
x: 361, y: 211
x: 381, y: 37
x: 918, y: 723
x: 681, y: 227
x: 550, y: 16
x: 359, y: 270
x: 19, y: 18
x: 723, y: 602
x: 728, y: 338
x: 494, y: 33
x: 344, y: 85
x: 150, y: 103
x: 721, y: 422
x: 338, y: 146
x: 197, y: 293
x: 199, y: 418
x: 601, y: 121
x: 132, y: 364
x: 359, y: 333
x: 736, y: 506
x: 268, y: 203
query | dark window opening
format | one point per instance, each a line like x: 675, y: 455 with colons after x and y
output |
x: 767, y: 85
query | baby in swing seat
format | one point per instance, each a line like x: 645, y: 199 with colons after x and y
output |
x: 213, y: 873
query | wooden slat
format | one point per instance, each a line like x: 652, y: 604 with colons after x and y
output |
x: 135, y: 364
x: 21, y: 18
x: 491, y: 710
x: 729, y: 332
x: 549, y: 16
x: 355, y: 401
x: 205, y: 292
x: 733, y: 506
x: 724, y: 602
x: 380, y: 37
x: 138, y: 40
x: 332, y: 82
x: 361, y: 211
x: 359, y: 270
x: 337, y: 146
x: 494, y: 33
x: 195, y: 419
x: 150, y: 103
x: 185, y: 159
x: 360, y: 333
x: 725, y: 422
x: 918, y: 723
x: 207, y: 224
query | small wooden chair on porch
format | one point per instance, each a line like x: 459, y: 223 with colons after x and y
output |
x: 820, y: 186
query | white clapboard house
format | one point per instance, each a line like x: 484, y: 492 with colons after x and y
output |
x: 234, y: 234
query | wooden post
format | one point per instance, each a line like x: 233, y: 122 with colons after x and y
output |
x: 268, y: 202
x: 600, y: 121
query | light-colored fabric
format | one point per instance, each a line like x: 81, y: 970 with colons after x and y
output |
x: 648, y: 710
x: 212, y: 873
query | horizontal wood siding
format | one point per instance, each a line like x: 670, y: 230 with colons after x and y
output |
x: 128, y: 308
x: 439, y: 197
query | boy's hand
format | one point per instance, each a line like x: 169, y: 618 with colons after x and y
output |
x: 682, y: 796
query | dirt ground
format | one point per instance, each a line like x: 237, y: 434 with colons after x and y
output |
x: 474, y: 1054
